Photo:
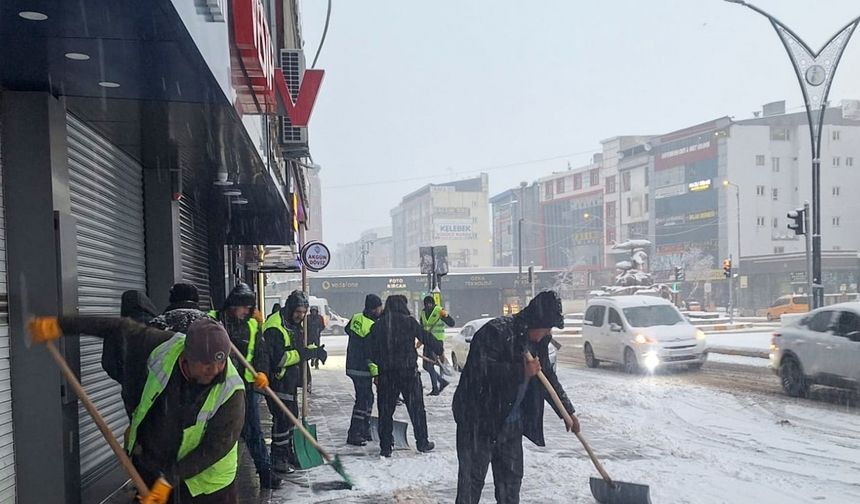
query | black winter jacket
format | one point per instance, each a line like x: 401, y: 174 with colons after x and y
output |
x: 357, y: 353
x: 274, y: 340
x: 493, y: 373
x: 391, y: 342
x: 240, y: 335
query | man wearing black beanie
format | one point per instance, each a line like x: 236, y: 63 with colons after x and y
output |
x: 497, y: 402
x: 361, y: 370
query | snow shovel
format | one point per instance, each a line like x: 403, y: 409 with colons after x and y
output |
x: 160, y: 492
x: 334, y: 462
x: 446, y: 368
x: 605, y: 490
x: 399, y: 433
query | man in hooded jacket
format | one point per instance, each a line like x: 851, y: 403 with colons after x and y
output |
x: 434, y: 319
x: 361, y: 369
x: 245, y: 333
x: 391, y: 345
x: 284, y: 336
x: 498, y: 400
x: 183, y: 310
x: 136, y: 306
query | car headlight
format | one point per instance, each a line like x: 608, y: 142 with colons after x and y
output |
x: 700, y: 335
x: 651, y: 361
x: 642, y: 339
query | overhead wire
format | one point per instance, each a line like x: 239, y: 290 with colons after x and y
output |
x: 464, y: 172
x: 324, y: 33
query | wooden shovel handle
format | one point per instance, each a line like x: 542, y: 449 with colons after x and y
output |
x: 271, y: 393
x: 560, y: 406
x: 118, y: 450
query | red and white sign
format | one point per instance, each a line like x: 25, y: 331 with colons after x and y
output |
x: 256, y: 78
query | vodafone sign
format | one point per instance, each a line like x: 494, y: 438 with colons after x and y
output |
x: 256, y: 78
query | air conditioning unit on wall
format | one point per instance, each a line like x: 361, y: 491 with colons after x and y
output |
x: 294, y: 140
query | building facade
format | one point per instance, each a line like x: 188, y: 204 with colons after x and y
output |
x: 140, y: 147
x: 454, y: 214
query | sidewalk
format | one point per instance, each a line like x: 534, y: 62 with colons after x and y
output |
x: 407, y: 477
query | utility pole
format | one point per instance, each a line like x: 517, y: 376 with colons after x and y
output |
x: 365, y: 251
x: 815, y: 71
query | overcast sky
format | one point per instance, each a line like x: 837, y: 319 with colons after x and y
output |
x: 418, y: 92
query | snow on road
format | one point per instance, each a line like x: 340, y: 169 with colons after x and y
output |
x: 689, y: 443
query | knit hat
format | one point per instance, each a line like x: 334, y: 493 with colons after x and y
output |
x: 207, y: 342
x: 184, y: 292
x: 296, y: 299
x: 429, y: 299
x: 544, y: 311
x: 372, y: 302
x: 241, y: 295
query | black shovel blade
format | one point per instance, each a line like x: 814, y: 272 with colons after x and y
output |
x: 619, y: 492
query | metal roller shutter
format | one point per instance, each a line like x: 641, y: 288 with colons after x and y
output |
x: 194, y: 240
x: 106, y: 187
x: 7, y: 447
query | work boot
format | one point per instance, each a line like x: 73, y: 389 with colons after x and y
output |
x: 385, y: 452
x: 356, y: 441
x: 426, y: 446
x: 269, y: 480
x: 282, y: 467
x: 442, y: 384
x: 434, y: 392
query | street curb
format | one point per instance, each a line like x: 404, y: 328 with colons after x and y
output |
x: 725, y: 327
x: 742, y: 352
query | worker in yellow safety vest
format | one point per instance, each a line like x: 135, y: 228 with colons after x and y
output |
x: 239, y: 317
x: 361, y: 369
x: 189, y: 414
x: 434, y: 319
x: 283, y: 333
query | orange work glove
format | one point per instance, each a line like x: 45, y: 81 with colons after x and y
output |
x: 259, y: 317
x: 261, y: 381
x: 443, y: 313
x: 44, y: 329
x: 158, y: 494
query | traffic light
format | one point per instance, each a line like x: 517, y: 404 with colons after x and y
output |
x: 727, y: 268
x: 679, y: 274
x: 798, y: 220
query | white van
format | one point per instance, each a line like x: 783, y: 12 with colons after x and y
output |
x: 640, y: 332
x: 334, y: 323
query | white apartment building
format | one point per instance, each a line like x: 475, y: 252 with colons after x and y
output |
x: 455, y: 214
x: 769, y: 160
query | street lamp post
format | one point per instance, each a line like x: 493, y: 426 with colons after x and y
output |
x: 520, y: 243
x: 737, y: 188
x: 815, y: 71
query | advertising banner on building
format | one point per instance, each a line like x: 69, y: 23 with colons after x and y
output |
x: 454, y: 229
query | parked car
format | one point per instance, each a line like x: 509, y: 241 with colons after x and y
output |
x: 821, y: 348
x: 640, y: 332
x: 460, y: 343
x: 334, y: 323
x: 791, y: 303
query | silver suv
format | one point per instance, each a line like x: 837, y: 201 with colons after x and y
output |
x: 822, y: 348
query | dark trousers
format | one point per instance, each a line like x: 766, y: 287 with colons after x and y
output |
x: 282, y: 427
x: 391, y: 385
x: 477, y: 450
x: 359, y: 426
x: 435, y: 378
x: 253, y: 434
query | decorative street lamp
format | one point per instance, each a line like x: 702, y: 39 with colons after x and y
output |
x: 815, y: 71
